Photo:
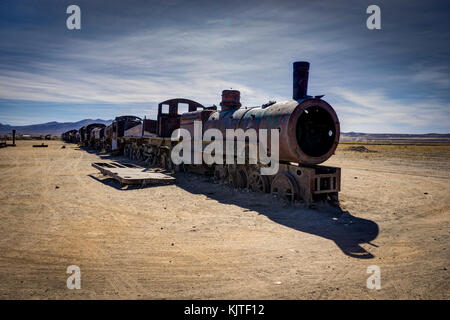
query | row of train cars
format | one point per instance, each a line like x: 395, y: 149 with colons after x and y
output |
x: 308, y: 128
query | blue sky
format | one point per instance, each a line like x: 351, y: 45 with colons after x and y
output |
x: 130, y: 55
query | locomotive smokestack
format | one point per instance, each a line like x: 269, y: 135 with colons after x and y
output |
x: 300, y: 80
x: 231, y: 99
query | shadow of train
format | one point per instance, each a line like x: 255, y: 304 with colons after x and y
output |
x: 333, y: 223
x: 347, y: 231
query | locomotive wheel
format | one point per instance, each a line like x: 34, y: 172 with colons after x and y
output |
x: 220, y: 172
x: 137, y: 155
x: 232, y: 179
x: 238, y: 179
x: 179, y: 167
x: 153, y: 160
x: 334, y: 199
x: 169, y: 165
x: 284, y: 186
x: 162, y: 161
x: 242, y: 178
x: 166, y: 162
x: 258, y: 182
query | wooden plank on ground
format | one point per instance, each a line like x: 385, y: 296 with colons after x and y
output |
x: 129, y: 173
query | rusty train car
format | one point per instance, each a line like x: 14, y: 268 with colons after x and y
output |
x: 89, y: 137
x: 70, y: 136
x: 96, y: 139
x: 308, y: 127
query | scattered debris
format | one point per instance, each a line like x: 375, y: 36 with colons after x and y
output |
x: 63, y: 147
x: 40, y: 145
x: 358, y: 149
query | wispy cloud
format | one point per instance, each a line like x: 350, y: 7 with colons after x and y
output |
x: 373, y: 111
x: 130, y: 57
x: 438, y: 75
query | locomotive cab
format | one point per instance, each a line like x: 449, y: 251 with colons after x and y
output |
x: 169, y: 117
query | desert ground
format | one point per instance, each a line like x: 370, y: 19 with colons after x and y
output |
x: 203, y: 240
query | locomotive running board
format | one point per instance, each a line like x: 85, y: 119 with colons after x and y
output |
x: 128, y: 173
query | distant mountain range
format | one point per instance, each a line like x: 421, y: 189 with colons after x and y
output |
x: 394, y: 137
x: 55, y: 128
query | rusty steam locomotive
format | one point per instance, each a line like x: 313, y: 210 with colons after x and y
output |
x: 308, y: 128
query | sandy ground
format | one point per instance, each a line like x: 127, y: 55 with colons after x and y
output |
x: 203, y: 240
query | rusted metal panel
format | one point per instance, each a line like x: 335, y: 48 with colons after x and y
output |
x: 188, y: 119
x: 135, y: 131
x: 167, y: 124
x: 150, y: 127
